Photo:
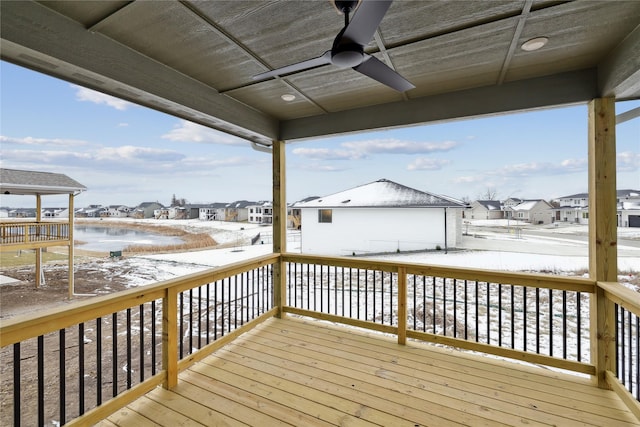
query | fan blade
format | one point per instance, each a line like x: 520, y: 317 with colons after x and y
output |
x: 366, y: 20
x: 300, y: 66
x: 379, y: 71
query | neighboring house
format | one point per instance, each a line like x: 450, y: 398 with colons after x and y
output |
x: 508, y: 205
x: 61, y: 213
x: 166, y: 213
x: 575, y: 208
x: 117, y: 211
x: 628, y: 208
x: 260, y: 213
x: 533, y: 211
x: 212, y: 212
x: 382, y: 216
x: 294, y: 215
x: 191, y: 211
x: 22, y: 213
x: 146, y: 210
x: 486, y: 209
x: 237, y: 211
x: 4, y: 213
x: 92, y: 211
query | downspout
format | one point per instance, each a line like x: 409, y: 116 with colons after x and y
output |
x: 445, y: 230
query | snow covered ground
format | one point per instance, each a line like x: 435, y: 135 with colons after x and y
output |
x: 494, y: 244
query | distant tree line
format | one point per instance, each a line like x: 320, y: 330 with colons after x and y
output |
x: 177, y: 202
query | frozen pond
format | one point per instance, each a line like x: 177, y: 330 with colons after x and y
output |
x: 104, y: 239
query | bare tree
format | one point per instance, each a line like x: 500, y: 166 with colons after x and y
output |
x: 489, y: 194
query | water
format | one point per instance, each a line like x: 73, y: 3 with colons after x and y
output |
x: 105, y: 239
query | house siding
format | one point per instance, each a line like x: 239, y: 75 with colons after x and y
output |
x: 376, y: 230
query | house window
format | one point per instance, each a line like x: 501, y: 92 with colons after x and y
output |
x: 585, y: 215
x: 324, y: 215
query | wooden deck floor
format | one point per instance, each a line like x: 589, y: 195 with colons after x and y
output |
x: 305, y: 373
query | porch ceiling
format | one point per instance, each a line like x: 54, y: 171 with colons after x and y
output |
x: 196, y: 59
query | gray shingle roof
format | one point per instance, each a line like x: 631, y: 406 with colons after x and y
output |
x: 13, y: 181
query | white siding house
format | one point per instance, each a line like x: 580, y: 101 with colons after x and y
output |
x: 260, y: 213
x: 486, y: 209
x: 533, y: 211
x: 575, y: 208
x: 213, y: 212
x: 381, y: 216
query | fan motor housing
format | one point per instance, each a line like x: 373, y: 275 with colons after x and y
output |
x: 347, y: 55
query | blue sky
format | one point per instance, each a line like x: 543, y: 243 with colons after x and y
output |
x: 127, y: 154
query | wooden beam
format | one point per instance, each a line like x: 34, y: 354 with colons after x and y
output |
x: 603, y: 265
x: 39, y: 38
x: 619, y: 73
x: 576, y: 87
x: 279, y: 225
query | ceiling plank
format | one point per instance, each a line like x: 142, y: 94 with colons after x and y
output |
x: 41, y: 39
x: 556, y: 90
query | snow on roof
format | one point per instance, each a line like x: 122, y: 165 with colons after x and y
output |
x: 382, y: 193
x: 527, y: 205
x: 490, y: 204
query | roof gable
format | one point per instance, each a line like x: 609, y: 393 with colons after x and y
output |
x: 382, y: 193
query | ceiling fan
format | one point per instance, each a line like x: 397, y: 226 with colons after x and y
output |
x: 348, y: 46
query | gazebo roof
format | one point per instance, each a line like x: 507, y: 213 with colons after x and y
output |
x: 22, y: 182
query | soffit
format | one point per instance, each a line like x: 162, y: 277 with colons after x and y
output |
x: 196, y: 59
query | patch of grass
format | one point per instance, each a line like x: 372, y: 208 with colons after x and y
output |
x: 27, y: 257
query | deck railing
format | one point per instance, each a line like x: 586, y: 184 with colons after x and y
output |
x: 23, y: 233
x: 626, y: 303
x: 538, y: 318
x: 79, y: 364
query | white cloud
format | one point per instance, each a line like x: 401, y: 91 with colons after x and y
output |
x: 84, y: 94
x: 29, y: 140
x: 397, y: 146
x: 628, y: 161
x: 567, y: 166
x: 356, y: 150
x: 186, y: 131
x: 425, y: 163
x: 327, y: 154
x: 132, y: 153
x: 469, y: 179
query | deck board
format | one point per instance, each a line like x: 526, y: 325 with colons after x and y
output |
x: 300, y: 372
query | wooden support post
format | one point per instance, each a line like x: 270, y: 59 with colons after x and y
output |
x: 402, y: 305
x: 38, y: 251
x: 279, y: 225
x: 71, y: 251
x: 170, y: 337
x: 603, y: 263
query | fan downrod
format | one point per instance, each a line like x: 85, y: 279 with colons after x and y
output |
x: 345, y: 7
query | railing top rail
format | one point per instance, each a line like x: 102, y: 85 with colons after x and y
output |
x: 622, y: 296
x: 23, y: 221
x: 535, y: 280
x: 30, y: 325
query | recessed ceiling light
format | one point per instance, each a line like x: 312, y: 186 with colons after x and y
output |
x: 288, y: 97
x: 534, y: 44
